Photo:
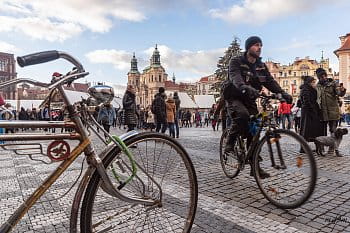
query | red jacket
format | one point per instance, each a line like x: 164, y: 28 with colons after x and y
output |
x: 284, y: 108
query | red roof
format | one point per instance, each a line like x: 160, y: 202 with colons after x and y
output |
x: 81, y: 87
x: 346, y: 45
x: 204, y: 79
x: 170, y: 84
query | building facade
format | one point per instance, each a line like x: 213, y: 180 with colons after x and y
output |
x: 343, y: 54
x: 205, y: 86
x: 7, y: 72
x: 289, y: 76
x: 148, y: 82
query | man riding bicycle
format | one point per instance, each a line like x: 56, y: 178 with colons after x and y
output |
x: 246, y: 76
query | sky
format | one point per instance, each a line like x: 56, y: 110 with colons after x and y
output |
x: 191, y: 34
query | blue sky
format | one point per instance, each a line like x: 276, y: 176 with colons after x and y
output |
x: 191, y: 34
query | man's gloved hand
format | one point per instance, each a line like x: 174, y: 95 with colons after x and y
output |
x: 250, y: 91
x: 287, y: 97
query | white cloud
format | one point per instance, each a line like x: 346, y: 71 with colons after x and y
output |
x: 261, y: 11
x: 8, y: 48
x: 195, y: 63
x: 119, y: 58
x: 59, y: 20
x: 63, y: 19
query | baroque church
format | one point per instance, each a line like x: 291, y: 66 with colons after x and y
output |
x: 147, y: 84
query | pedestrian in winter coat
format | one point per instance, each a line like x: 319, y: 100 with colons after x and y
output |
x: 129, y: 105
x: 284, y: 111
x: 328, y: 92
x: 178, y: 113
x: 170, y: 115
x: 159, y: 110
x: 311, y: 125
x: 106, y: 116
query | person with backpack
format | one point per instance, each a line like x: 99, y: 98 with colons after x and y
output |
x: 159, y: 110
x: 129, y: 105
x: 106, y: 116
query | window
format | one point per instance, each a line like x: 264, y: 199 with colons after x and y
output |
x: 160, y: 78
x: 3, y: 65
x: 295, y: 74
x: 294, y: 82
x: 152, y: 78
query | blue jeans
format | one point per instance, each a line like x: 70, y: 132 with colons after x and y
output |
x: 171, y: 129
x: 177, y: 127
x: 289, y: 118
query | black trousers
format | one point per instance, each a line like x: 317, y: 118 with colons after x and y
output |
x: 240, y: 112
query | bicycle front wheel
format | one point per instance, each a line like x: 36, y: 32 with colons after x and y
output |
x: 229, y: 161
x: 293, y: 178
x: 164, y: 172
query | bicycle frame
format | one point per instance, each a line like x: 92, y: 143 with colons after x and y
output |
x: 94, y: 160
x: 256, y: 138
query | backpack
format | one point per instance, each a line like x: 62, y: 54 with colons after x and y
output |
x: 153, y: 107
x: 228, y: 90
x: 104, y: 120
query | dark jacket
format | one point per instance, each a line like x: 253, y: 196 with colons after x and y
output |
x: 159, y: 107
x: 242, y: 72
x: 177, y: 102
x: 23, y: 115
x: 311, y: 125
x: 327, y: 98
x: 129, y: 106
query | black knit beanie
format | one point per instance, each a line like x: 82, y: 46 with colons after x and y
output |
x: 320, y: 72
x: 251, y: 41
x: 161, y: 90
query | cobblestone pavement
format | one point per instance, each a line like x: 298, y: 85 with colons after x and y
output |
x: 224, y: 205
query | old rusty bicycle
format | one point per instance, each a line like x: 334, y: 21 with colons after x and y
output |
x: 140, y: 182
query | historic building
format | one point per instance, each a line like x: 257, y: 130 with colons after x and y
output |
x: 205, y: 86
x: 147, y: 83
x: 289, y: 76
x: 343, y: 54
x: 7, y: 72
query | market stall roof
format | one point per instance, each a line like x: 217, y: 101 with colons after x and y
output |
x: 204, y: 101
x: 186, y: 101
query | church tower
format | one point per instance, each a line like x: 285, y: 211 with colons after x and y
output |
x: 134, y: 74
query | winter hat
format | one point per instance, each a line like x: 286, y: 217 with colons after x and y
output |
x: 251, y: 41
x: 161, y: 90
x: 307, y: 79
x: 320, y: 72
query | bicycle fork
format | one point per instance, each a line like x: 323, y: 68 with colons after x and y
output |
x: 274, y: 138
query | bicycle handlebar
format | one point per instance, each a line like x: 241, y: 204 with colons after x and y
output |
x: 37, y: 58
x: 47, y: 56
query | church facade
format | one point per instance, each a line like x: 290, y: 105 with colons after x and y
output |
x: 147, y: 83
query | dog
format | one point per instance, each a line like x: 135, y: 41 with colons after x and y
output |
x: 332, y: 142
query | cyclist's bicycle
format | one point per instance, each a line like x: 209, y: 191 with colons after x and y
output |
x: 140, y: 182
x: 292, y: 174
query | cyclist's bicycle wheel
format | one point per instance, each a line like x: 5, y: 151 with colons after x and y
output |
x: 168, y: 164
x: 290, y: 186
x: 229, y: 161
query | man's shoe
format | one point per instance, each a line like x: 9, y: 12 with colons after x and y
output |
x: 338, y: 154
x: 262, y: 173
x: 228, y: 148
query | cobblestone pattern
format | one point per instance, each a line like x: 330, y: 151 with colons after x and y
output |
x: 225, y: 205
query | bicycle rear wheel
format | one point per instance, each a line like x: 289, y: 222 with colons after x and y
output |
x: 229, y: 161
x: 167, y: 164
x: 290, y: 186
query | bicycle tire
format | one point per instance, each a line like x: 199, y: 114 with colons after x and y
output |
x: 301, y: 173
x: 229, y: 162
x: 173, y: 196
